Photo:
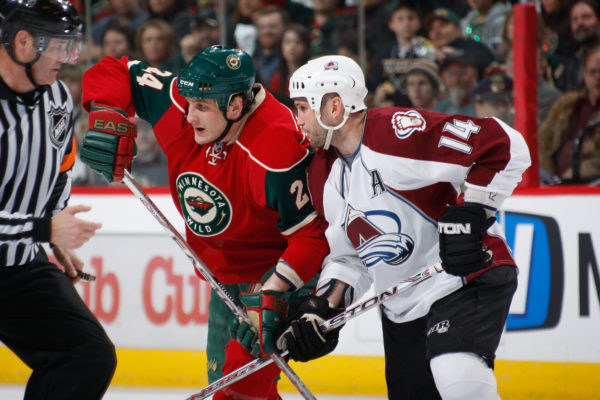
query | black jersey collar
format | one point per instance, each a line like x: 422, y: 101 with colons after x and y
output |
x: 28, y: 99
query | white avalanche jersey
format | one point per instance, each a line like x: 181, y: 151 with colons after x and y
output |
x: 382, y: 210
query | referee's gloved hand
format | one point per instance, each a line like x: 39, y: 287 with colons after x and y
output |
x: 461, y: 232
x: 109, y: 145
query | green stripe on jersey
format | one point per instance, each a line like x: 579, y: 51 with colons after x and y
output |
x: 287, y: 192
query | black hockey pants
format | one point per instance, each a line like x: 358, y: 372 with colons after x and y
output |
x: 46, y: 324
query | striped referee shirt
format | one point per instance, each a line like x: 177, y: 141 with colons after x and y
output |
x: 37, y: 152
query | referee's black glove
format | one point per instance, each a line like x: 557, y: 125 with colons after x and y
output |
x: 461, y: 231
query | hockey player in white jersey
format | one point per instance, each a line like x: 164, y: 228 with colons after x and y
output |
x: 401, y: 189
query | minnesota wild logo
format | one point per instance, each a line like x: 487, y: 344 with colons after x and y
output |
x: 198, y: 205
x: 206, y: 210
x: 233, y: 61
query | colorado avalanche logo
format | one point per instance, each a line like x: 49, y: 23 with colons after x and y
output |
x: 406, y: 122
x: 331, y: 66
x: 377, y: 237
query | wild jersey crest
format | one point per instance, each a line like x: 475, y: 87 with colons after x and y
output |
x: 199, y: 205
x: 206, y: 210
x: 377, y: 237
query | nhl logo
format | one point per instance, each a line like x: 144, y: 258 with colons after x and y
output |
x: 59, y: 123
x: 233, y: 61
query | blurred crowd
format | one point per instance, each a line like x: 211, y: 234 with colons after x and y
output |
x: 452, y: 56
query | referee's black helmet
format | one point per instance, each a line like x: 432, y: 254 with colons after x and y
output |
x: 45, y: 19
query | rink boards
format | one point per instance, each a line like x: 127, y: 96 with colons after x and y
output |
x: 155, y: 309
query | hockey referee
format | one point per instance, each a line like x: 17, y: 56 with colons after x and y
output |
x: 42, y: 317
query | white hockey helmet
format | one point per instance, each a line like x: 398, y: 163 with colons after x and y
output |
x: 330, y: 74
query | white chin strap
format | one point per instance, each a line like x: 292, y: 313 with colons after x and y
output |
x: 330, y: 129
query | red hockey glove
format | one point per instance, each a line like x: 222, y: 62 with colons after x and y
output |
x: 266, y: 314
x: 109, y: 145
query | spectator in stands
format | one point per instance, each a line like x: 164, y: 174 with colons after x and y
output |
x: 387, y: 96
x: 555, y: 15
x: 271, y: 22
x: 117, y: 42
x: 126, y: 13
x: 547, y: 93
x: 547, y: 42
x: 295, y: 47
x: 443, y: 28
x: 149, y: 166
x: 392, y: 61
x: 550, y: 11
x: 460, y: 72
x: 423, y: 84
x: 376, y: 24
x: 155, y: 42
x: 584, y: 20
x: 327, y: 22
x: 460, y: 7
x: 569, y: 138
x: 377, y: 15
x: 245, y: 31
x: 299, y: 11
x: 585, y: 29
x: 493, y: 97
x: 175, y: 13
x: 204, y: 32
x: 485, y: 21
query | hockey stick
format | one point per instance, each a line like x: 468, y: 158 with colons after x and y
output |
x: 327, y: 326
x: 210, y: 277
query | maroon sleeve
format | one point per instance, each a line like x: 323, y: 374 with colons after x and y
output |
x: 481, y: 144
x: 318, y: 171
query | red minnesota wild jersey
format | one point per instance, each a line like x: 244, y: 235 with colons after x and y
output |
x: 246, y: 205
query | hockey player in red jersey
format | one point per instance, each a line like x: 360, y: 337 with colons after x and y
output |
x: 237, y: 171
x: 402, y: 189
